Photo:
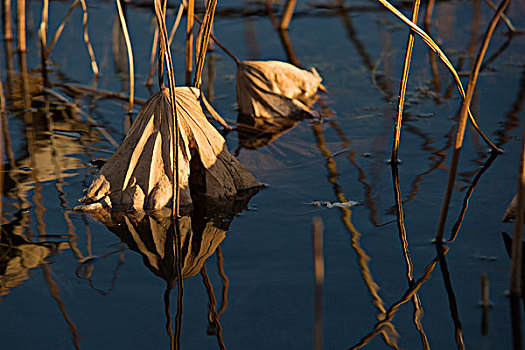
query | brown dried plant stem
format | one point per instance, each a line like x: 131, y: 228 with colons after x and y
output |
x: 43, y: 26
x: 319, y: 280
x: 428, y: 40
x: 21, y: 25
x: 94, y: 66
x: 165, y: 53
x: 287, y: 14
x: 516, y: 252
x: 153, y: 61
x: 403, y: 84
x: 190, y: 11
x: 8, y: 23
x: 203, y: 41
x: 130, y: 55
x: 463, y: 118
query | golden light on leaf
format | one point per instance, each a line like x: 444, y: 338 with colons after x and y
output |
x: 139, y: 175
x: 274, y: 89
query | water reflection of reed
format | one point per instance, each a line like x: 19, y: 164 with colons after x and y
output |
x: 387, y: 329
x: 177, y: 250
x: 418, y: 310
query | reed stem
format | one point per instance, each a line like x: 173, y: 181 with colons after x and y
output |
x: 516, y: 252
x: 319, y: 280
x: 94, y: 66
x: 403, y: 84
x: 287, y: 14
x: 190, y: 11
x: 203, y: 41
x: 463, y: 119
x: 130, y: 55
x: 428, y: 40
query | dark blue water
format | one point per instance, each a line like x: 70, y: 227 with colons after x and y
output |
x: 68, y: 280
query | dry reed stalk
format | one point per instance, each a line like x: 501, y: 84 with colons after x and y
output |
x: 21, y: 25
x: 516, y: 251
x: 176, y: 23
x: 173, y: 122
x: 203, y: 40
x: 287, y: 14
x: 153, y: 61
x: 319, y: 280
x: 131, y: 66
x: 463, y: 119
x: 153, y: 57
x: 485, y: 303
x: 94, y: 66
x: 403, y: 84
x: 8, y: 23
x: 60, y: 29
x: 189, y: 40
x: 428, y: 40
x: 42, y: 32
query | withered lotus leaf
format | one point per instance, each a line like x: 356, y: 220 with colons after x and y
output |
x: 139, y: 174
x: 274, y: 89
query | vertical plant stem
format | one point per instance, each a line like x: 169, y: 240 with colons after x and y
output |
x: 319, y: 280
x: 94, y: 66
x: 287, y: 14
x: 189, y: 41
x: 463, y: 119
x: 485, y: 303
x: 203, y: 41
x: 8, y: 23
x: 165, y: 54
x: 403, y: 84
x: 130, y: 55
x: 21, y: 25
x: 516, y: 252
x: 43, y: 25
x: 428, y: 40
x: 152, y: 59
x: 176, y: 23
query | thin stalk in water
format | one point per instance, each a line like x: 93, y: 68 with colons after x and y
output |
x: 463, y: 119
x: 130, y: 55
x: 403, y: 84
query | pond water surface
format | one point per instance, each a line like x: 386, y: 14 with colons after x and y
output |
x: 73, y: 280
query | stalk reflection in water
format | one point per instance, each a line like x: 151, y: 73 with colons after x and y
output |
x: 175, y: 250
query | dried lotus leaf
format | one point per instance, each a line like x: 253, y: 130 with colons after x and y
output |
x: 273, y: 89
x: 144, y: 160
